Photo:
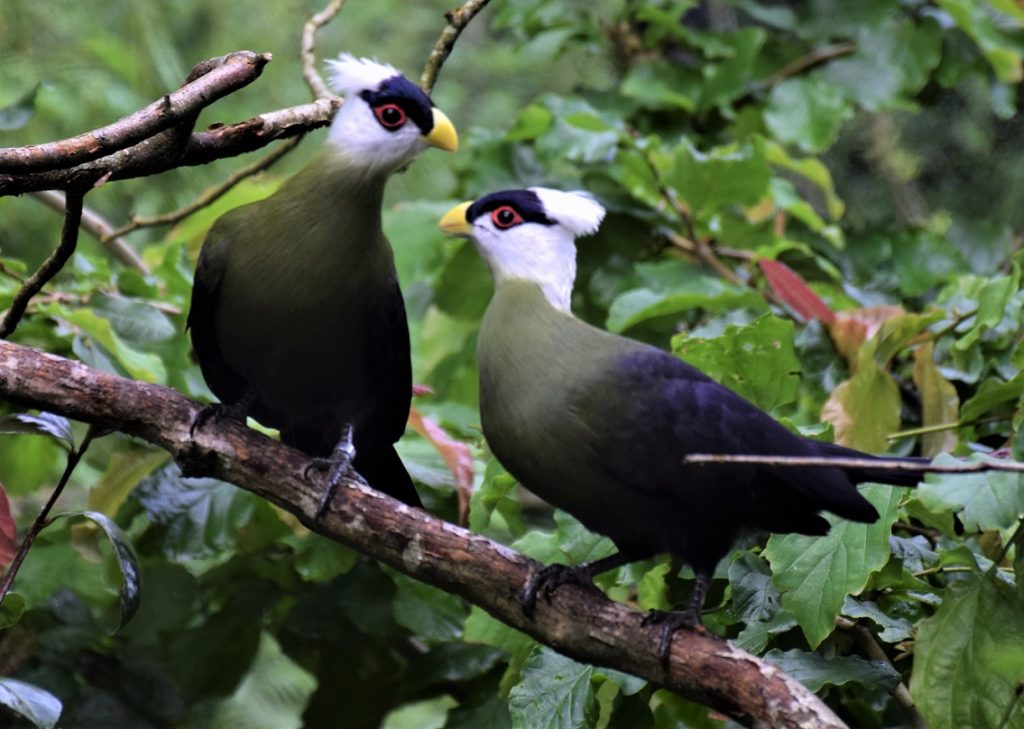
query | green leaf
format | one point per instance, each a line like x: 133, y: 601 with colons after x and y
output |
x: 11, y: 610
x: 54, y: 426
x: 730, y: 175
x: 16, y: 115
x: 982, y: 501
x: 807, y: 112
x: 953, y: 682
x: 990, y: 395
x: 140, y: 365
x: 318, y: 559
x: 754, y: 597
x: 273, y: 694
x: 815, y: 671
x: 482, y: 628
x: 202, y: 515
x: 994, y: 296
x: 865, y: 409
x: 127, y: 562
x: 425, y: 714
x: 39, y: 707
x: 756, y: 361
x: 531, y: 122
x: 815, y: 574
x: 1001, y: 51
x: 428, y: 612
x: 125, y: 469
x: 893, y: 629
x: 701, y: 292
x: 809, y: 168
x: 659, y: 84
x: 134, y: 320
x: 554, y: 693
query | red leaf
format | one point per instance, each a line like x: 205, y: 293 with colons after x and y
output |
x: 456, y: 454
x: 8, y: 534
x: 792, y: 289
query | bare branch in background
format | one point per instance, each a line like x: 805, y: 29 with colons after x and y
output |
x: 457, y: 19
x: 50, y: 267
x: 875, y: 464
x: 209, y: 81
x: 99, y: 228
x: 313, y: 78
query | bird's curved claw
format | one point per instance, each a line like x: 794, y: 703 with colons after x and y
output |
x: 339, y: 467
x: 670, y: 622
x: 544, y: 581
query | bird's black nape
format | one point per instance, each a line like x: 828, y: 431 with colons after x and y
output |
x: 408, y: 96
x: 524, y: 202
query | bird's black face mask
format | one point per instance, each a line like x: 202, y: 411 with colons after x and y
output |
x: 398, y: 99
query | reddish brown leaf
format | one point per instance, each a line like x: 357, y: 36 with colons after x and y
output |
x: 792, y: 289
x: 850, y: 329
x: 8, y: 534
x: 456, y: 454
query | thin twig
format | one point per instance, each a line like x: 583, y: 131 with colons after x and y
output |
x: 807, y: 61
x: 1015, y: 539
x: 97, y: 226
x: 313, y: 78
x: 869, y: 644
x: 42, y: 518
x: 7, y: 271
x: 457, y: 19
x: 51, y: 266
x: 211, y: 194
x: 876, y: 464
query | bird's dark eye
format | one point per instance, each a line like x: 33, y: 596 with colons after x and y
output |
x: 506, y: 216
x: 390, y: 116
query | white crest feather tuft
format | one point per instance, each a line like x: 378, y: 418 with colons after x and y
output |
x: 576, y: 211
x: 350, y: 75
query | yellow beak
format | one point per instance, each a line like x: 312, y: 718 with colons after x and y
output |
x: 454, y: 221
x: 443, y: 135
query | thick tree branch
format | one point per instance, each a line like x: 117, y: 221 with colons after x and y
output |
x: 206, y: 83
x: 578, y: 622
x: 50, y: 267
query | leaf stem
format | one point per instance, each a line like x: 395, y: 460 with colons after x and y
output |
x: 42, y: 519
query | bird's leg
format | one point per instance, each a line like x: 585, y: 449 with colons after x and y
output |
x: 238, y: 410
x: 546, y: 579
x: 340, y: 467
x: 689, y: 618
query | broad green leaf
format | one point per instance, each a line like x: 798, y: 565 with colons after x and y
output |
x: 482, y: 628
x: 755, y: 361
x: 17, y: 115
x: 134, y: 320
x: 815, y: 671
x: 808, y: 167
x: 125, y: 469
x: 815, y: 574
x: 990, y: 395
x: 754, y: 598
x: 982, y: 501
x: 202, y: 515
x: 273, y: 694
x: 577, y: 543
x: 807, y: 112
x: 994, y: 296
x: 140, y: 365
x: 892, y: 630
x: 11, y: 610
x: 940, y: 404
x: 428, y: 612
x: 864, y: 410
x: 953, y: 682
x: 712, y: 294
x: 127, y: 562
x: 553, y: 693
x: 661, y: 85
x: 318, y: 559
x: 425, y: 714
x: 54, y: 426
x: 30, y: 702
x: 531, y: 122
x: 1001, y: 51
x: 651, y: 590
x: 731, y: 175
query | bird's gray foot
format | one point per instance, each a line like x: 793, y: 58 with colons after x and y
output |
x: 338, y: 466
x: 670, y: 622
x: 545, y: 580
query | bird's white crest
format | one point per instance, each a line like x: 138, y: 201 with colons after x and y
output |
x: 576, y: 211
x: 350, y: 75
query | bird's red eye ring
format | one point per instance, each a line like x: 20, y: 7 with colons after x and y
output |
x: 390, y: 115
x: 505, y: 217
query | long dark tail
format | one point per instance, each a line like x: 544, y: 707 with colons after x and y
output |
x: 380, y: 466
x: 867, y: 474
x: 384, y: 471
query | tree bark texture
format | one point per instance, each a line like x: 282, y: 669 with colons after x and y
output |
x: 581, y: 623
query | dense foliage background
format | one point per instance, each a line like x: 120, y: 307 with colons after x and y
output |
x: 817, y: 202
